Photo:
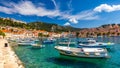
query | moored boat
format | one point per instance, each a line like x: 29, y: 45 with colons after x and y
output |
x: 91, y: 43
x: 35, y: 45
x: 49, y: 41
x: 25, y: 42
x: 83, y: 52
x: 66, y: 41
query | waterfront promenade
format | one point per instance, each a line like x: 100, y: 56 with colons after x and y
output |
x: 8, y: 58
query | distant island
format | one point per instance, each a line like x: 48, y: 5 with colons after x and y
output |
x: 38, y: 27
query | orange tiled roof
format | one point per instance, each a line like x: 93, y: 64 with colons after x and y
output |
x: 5, y: 31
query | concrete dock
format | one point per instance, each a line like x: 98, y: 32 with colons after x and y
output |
x: 8, y: 58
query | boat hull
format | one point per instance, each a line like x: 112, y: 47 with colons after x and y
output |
x: 24, y: 44
x: 90, y: 43
x: 66, y: 43
x: 97, y: 46
x: 81, y: 55
x: 77, y: 52
x: 48, y: 42
x: 37, y: 46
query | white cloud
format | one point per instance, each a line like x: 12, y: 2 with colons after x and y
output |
x: 67, y: 24
x: 107, y: 8
x: 28, y: 8
x: 6, y: 10
x: 25, y: 8
x: 70, y: 5
x: 55, y: 4
x: 73, y: 20
x: 85, y: 15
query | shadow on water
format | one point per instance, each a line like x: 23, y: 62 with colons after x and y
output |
x: 114, y: 48
x: 77, y: 62
x: 37, y: 48
x: 111, y: 50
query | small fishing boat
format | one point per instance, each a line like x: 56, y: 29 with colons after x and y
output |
x: 35, y: 45
x: 49, y: 41
x: 65, y: 41
x: 25, y: 42
x: 83, y: 52
x: 91, y: 43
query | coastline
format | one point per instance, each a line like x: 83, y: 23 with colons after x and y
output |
x: 8, y: 58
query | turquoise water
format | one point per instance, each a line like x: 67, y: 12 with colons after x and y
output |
x: 48, y: 57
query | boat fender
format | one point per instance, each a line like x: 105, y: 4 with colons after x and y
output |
x: 108, y: 43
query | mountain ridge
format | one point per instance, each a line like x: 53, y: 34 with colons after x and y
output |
x: 36, y: 25
x: 103, y: 30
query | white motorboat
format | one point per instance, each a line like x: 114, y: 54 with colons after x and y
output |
x: 35, y: 45
x: 91, y: 43
x: 66, y: 41
x: 83, y: 52
x: 49, y: 40
x: 25, y: 42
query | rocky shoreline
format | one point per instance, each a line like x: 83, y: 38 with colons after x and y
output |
x: 8, y: 58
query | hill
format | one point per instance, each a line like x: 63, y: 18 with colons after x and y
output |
x: 104, y: 30
x: 36, y: 25
x: 51, y: 27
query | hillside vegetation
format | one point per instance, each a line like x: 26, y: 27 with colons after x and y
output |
x: 36, y: 25
x: 104, y: 30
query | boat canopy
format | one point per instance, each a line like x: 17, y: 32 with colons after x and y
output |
x: 93, y: 49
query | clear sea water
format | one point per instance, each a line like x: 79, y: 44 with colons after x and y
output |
x: 48, y: 57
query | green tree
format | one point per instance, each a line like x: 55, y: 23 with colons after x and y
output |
x: 40, y: 34
x: 2, y: 33
x: 77, y: 34
x: 98, y: 34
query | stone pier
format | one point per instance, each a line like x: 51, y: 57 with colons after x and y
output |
x: 8, y: 58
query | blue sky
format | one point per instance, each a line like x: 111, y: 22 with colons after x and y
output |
x: 76, y: 13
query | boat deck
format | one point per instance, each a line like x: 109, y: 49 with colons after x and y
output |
x: 69, y: 48
x: 80, y: 49
x: 82, y: 52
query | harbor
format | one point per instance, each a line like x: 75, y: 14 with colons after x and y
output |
x: 59, y: 34
x: 49, y: 57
